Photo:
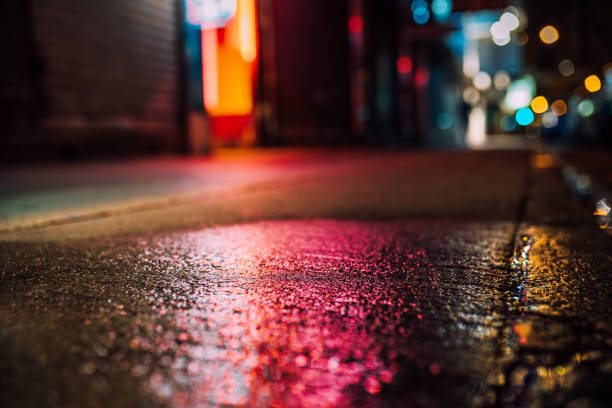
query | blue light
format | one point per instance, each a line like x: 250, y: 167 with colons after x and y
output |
x: 420, y: 13
x: 444, y: 121
x: 524, y: 116
x: 416, y: 4
x: 421, y: 16
x: 441, y: 9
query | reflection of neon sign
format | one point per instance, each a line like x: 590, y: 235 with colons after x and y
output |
x: 209, y: 13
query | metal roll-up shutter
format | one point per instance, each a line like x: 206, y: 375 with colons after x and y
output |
x: 110, y: 73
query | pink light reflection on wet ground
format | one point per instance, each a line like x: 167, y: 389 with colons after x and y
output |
x: 301, y: 313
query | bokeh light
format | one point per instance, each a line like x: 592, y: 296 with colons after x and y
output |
x: 586, y: 108
x: 404, y: 65
x: 592, y: 83
x: 416, y: 4
x: 501, y: 41
x: 501, y: 80
x: 549, y: 34
x: 499, y: 33
x: 519, y: 13
x: 482, y: 81
x: 509, y: 21
x: 501, y: 30
x: 441, y: 9
x: 520, y: 37
x: 421, y: 77
x: 549, y: 120
x: 420, y: 13
x: 539, y: 104
x: 507, y: 123
x: 524, y: 116
x: 497, y: 30
x: 471, y: 96
x: 355, y: 24
x: 566, y: 68
x: 558, y: 107
x: 421, y: 16
x: 444, y: 121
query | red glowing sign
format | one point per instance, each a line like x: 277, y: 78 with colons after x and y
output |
x: 355, y: 24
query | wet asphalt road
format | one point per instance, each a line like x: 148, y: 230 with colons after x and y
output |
x: 411, y: 279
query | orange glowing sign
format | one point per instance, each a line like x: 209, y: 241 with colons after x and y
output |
x: 228, y: 64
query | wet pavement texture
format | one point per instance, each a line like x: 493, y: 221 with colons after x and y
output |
x: 404, y: 283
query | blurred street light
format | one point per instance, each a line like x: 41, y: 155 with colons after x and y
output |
x: 586, y: 108
x: 592, y: 83
x: 539, y: 104
x: 558, y: 107
x: 566, y: 68
x: 549, y: 34
x: 501, y: 80
x: 550, y: 120
x: 524, y: 116
x: 482, y: 81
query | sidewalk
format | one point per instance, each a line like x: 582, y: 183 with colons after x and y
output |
x: 164, y: 194
x: 39, y: 195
